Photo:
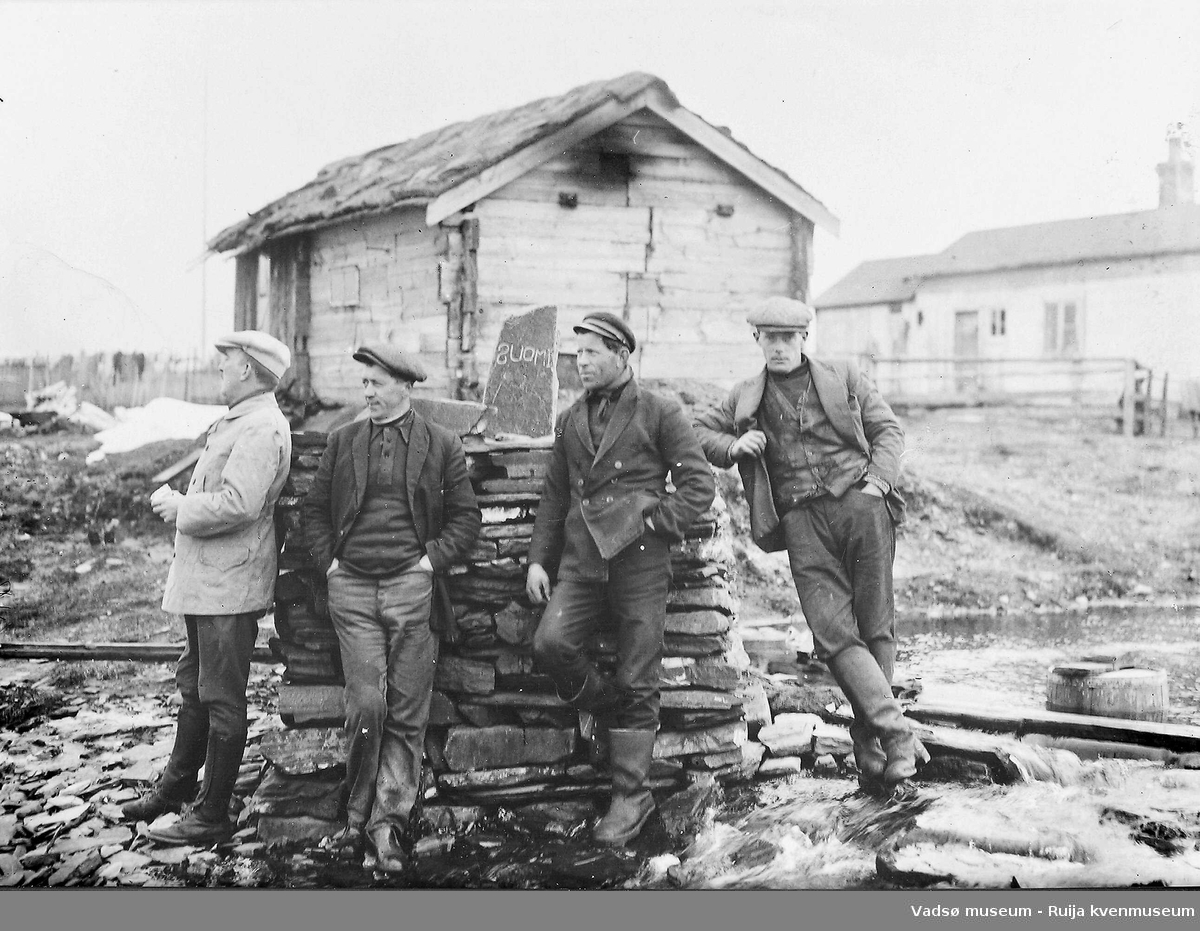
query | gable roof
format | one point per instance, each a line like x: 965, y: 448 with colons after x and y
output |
x: 454, y: 166
x: 1112, y: 237
x: 879, y: 281
x: 1146, y: 233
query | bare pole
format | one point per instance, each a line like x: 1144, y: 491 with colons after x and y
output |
x: 204, y: 212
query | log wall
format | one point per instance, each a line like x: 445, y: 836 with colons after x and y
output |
x: 398, y: 262
x: 636, y: 220
x: 660, y: 232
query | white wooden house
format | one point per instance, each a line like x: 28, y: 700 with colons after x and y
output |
x: 610, y: 197
x: 1056, y: 304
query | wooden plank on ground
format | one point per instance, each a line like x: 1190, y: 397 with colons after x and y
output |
x: 1179, y: 738
x: 133, y: 652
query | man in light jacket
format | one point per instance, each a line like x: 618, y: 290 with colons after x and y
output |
x: 819, y: 454
x: 222, y: 580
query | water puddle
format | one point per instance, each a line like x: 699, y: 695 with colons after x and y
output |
x: 978, y: 660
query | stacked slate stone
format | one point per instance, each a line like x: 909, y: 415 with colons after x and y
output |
x: 498, y: 731
x: 306, y: 644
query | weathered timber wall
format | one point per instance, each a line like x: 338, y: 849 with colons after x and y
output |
x: 376, y: 280
x: 661, y: 233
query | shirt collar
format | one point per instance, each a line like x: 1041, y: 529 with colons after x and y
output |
x: 614, y: 390
x: 403, y: 423
x: 253, y: 403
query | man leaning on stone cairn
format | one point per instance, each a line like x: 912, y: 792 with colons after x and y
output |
x: 222, y: 580
x: 819, y: 452
x: 603, y: 530
x: 391, y: 509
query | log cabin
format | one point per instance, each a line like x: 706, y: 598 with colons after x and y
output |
x: 612, y: 196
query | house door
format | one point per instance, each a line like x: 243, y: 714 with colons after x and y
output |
x: 966, y: 347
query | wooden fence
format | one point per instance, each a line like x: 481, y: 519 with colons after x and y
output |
x: 111, y: 380
x: 1114, y: 383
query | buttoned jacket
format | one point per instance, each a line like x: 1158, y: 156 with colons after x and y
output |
x: 445, y: 515
x: 855, y: 408
x: 226, y: 554
x: 595, y: 501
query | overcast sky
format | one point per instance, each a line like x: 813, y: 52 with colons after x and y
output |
x: 914, y: 122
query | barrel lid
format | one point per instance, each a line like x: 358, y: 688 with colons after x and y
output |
x: 1081, y: 669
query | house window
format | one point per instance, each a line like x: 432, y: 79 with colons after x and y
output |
x: 343, y: 286
x: 1061, y: 329
x: 999, y: 322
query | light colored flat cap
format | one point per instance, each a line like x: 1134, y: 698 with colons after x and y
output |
x: 391, y: 360
x: 263, y: 348
x: 780, y: 313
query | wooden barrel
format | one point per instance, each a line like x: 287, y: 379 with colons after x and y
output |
x: 1097, y: 688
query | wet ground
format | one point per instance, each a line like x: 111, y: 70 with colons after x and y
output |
x: 1008, y: 658
x: 1084, y: 823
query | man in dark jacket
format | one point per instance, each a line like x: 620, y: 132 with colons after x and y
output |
x: 819, y: 453
x: 604, y: 527
x: 390, y: 510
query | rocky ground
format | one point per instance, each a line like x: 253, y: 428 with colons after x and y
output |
x: 1015, y: 516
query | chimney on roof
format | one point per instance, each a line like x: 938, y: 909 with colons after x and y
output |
x: 1176, y: 176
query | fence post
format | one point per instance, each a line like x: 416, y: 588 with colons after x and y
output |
x: 1166, y: 375
x: 1128, y: 401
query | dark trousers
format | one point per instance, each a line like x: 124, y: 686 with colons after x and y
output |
x: 211, y: 676
x: 634, y: 601
x: 389, y: 655
x: 841, y: 552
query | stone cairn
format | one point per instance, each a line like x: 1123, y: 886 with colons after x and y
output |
x: 498, y: 732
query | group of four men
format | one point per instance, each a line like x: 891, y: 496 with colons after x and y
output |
x: 391, y: 509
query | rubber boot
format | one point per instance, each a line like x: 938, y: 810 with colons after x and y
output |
x: 870, y: 695
x: 868, y: 757
x: 177, y: 784
x: 208, y: 821
x: 631, y: 752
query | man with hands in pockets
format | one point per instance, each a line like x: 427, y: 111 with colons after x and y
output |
x: 819, y: 452
x: 604, y: 529
x: 390, y: 510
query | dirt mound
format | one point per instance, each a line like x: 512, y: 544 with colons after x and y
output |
x: 50, y: 490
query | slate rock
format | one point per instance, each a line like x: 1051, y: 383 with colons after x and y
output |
x: 496, y: 747
x: 778, y: 767
x: 305, y: 751
x: 831, y: 739
x: 455, y: 674
x: 707, y: 740
x: 686, y: 813
x: 790, y: 734
x: 522, y: 386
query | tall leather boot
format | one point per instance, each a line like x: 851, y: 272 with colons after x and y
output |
x: 870, y: 695
x: 176, y: 786
x: 631, y: 752
x: 208, y: 821
x: 884, y: 652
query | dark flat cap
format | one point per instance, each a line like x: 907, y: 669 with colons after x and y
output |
x: 391, y: 359
x: 780, y: 313
x: 609, y: 326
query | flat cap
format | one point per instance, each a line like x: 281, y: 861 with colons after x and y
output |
x: 609, y: 326
x: 263, y: 348
x: 391, y: 359
x: 780, y: 313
